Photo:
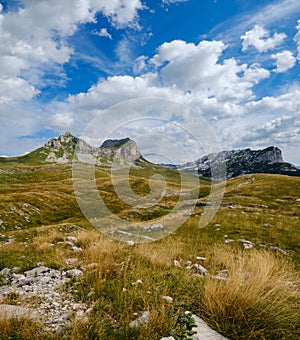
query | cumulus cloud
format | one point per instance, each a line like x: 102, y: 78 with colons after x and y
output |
x: 173, y: 1
x: 283, y: 130
x: 255, y: 73
x: 139, y: 64
x: 62, y: 120
x: 260, y: 38
x: 31, y: 48
x: 287, y: 103
x: 197, y: 68
x: 190, y: 73
x: 297, y: 39
x: 103, y: 33
x: 284, y: 61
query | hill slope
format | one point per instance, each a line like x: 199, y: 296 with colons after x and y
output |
x: 246, y: 293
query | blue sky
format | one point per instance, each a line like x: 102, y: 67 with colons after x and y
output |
x: 234, y: 62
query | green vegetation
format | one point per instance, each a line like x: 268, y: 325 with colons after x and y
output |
x: 258, y: 300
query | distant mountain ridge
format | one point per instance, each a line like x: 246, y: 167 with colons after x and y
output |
x: 244, y: 161
x: 63, y: 149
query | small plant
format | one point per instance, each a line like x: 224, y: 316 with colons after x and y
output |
x: 184, y: 327
x: 11, y: 298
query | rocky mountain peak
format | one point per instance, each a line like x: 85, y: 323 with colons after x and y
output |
x: 115, y: 143
x: 61, y: 150
x: 243, y: 161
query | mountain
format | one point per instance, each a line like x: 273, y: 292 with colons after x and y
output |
x: 244, y: 161
x: 62, y: 150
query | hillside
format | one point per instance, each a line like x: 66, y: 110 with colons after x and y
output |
x: 239, y: 273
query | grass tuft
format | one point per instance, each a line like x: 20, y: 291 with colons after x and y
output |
x: 259, y: 298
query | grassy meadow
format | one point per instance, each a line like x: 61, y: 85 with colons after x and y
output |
x: 257, y: 296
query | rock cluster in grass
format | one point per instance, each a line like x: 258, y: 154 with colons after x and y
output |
x: 45, y: 293
x: 41, y: 290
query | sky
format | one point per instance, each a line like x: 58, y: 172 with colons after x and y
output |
x: 232, y: 66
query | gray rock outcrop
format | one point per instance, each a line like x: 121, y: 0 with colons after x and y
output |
x: 63, y: 149
x: 234, y: 163
x: 56, y: 305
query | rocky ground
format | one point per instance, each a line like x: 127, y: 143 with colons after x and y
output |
x: 44, y: 293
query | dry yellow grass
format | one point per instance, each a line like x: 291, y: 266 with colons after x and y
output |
x: 262, y: 291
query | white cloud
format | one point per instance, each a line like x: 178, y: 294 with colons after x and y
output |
x: 12, y: 89
x: 24, y: 47
x: 255, y: 73
x: 139, y: 64
x: 287, y: 103
x: 120, y: 12
x: 270, y: 14
x: 297, y: 39
x: 62, y: 121
x: 197, y: 69
x: 34, y: 44
x: 260, y: 38
x: 173, y: 1
x: 284, y: 61
x: 103, y: 33
x: 184, y: 72
x: 282, y: 131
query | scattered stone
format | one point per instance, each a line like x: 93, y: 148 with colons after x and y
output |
x: 76, y: 249
x: 71, y: 261
x: 130, y: 243
x: 37, y: 271
x: 222, y: 275
x: 168, y: 338
x: 141, y: 320
x: 199, y: 269
x: 279, y: 250
x: 89, y: 311
x: 5, y: 272
x: 10, y: 240
x: 153, y: 227
x: 247, y: 245
x: 204, y: 332
x: 137, y: 282
x: 200, y: 258
x: 246, y: 242
x: 73, y: 273
x: 169, y: 299
x: 92, y: 266
x: 228, y: 240
x: 18, y: 312
x: 90, y: 294
x: 71, y: 239
x: 176, y: 263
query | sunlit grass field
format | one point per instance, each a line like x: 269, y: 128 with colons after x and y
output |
x: 258, y: 300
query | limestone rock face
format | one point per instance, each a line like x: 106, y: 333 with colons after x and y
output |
x: 63, y: 148
x: 244, y: 161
